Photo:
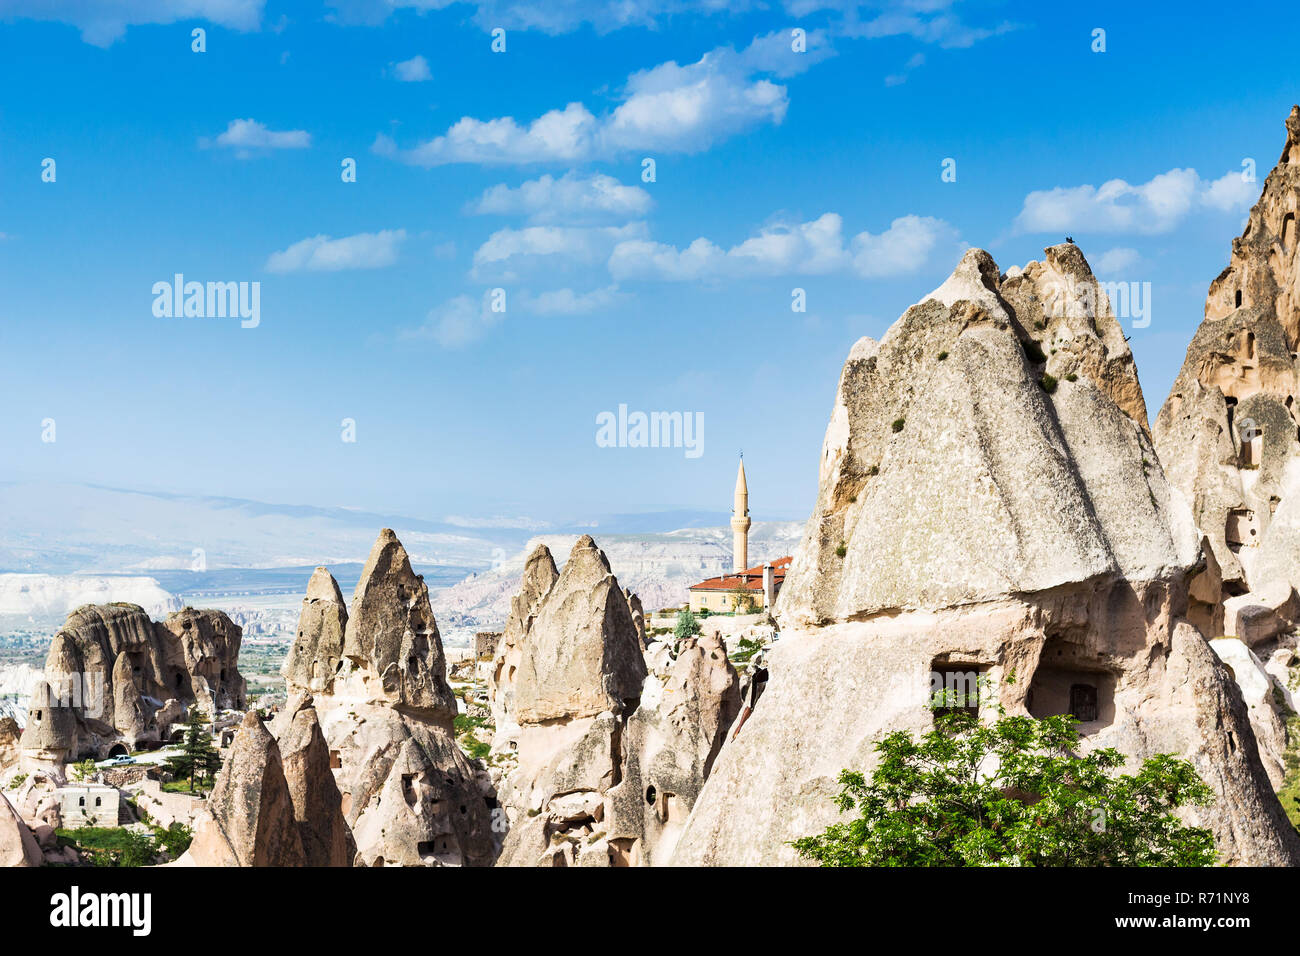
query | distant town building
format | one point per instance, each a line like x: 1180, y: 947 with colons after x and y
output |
x: 761, y: 582
x: 485, y: 644
x: 88, y: 805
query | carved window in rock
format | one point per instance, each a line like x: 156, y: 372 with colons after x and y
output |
x: 954, y: 689
x: 1241, y: 530
x: 336, y: 762
x: 1252, y: 447
x: 1288, y: 232
x: 1083, y: 702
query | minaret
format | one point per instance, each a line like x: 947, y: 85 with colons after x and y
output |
x: 740, y: 522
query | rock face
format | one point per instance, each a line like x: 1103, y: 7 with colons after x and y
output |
x: 317, y: 803
x: 252, y: 820
x: 391, y: 633
x: 17, y: 845
x: 990, y: 507
x: 582, y: 655
x: 119, y: 673
x: 317, y: 652
x: 1227, y: 434
x: 10, y: 735
x: 538, y: 578
x: 610, y: 756
x: 407, y: 794
x: 49, y: 739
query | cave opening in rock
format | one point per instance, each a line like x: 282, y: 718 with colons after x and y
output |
x: 1068, y: 682
x: 955, y: 688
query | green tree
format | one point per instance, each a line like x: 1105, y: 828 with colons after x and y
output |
x: 687, y: 626
x: 1012, y: 793
x: 742, y: 601
x: 198, y: 758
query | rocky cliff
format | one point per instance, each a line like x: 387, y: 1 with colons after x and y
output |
x: 377, y: 680
x: 610, y: 757
x: 990, y: 505
x: 1229, y: 432
x: 125, y: 678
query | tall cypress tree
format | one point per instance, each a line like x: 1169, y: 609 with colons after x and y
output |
x: 198, y: 757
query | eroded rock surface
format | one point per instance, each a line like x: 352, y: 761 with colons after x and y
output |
x: 610, y: 755
x: 990, y: 506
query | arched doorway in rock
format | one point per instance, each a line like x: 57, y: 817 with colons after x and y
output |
x: 118, y: 750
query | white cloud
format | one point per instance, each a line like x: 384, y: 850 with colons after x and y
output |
x: 915, y: 62
x: 569, y: 302
x: 688, y: 108
x: 457, y: 322
x: 572, y: 199
x: 1231, y: 193
x: 1156, y: 206
x: 1116, y: 260
x: 669, y: 108
x: 929, y: 21
x: 811, y: 248
x: 559, y: 135
x: 102, y: 23
x: 365, y: 250
x: 552, y: 17
x: 245, y: 135
x: 550, y: 246
x: 414, y: 70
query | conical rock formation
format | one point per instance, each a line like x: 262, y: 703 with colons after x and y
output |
x: 990, y: 508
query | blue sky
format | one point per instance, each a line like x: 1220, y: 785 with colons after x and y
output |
x: 522, y: 171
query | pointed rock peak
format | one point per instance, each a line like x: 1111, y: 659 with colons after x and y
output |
x: 252, y: 721
x: 1068, y: 259
x: 1292, y: 129
x: 387, y: 556
x: 864, y: 348
x: 975, y: 279
x: 539, y: 562
x: 392, y: 632
x: 323, y: 587
x: 586, y: 553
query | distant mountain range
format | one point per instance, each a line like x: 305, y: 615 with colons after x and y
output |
x: 68, y: 544
x: 658, y: 567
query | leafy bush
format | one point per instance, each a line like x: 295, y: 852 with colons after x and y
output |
x: 1047, y: 383
x: 111, y: 846
x: 934, y: 802
x: 898, y: 424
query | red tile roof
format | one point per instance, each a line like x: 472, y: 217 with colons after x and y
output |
x: 751, y: 579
